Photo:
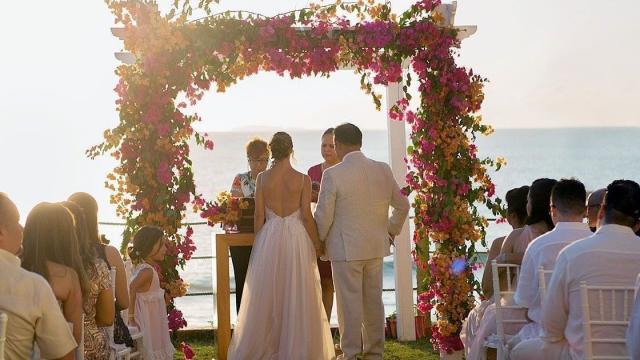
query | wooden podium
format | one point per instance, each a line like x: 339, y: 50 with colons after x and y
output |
x: 223, y: 241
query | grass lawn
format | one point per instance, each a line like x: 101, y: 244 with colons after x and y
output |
x: 393, y: 350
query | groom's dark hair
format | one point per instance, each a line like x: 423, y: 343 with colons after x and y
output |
x: 348, y: 134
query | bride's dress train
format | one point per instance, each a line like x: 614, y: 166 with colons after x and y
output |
x: 282, y: 316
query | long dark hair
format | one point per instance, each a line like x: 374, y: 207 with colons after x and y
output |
x: 539, y: 200
x: 86, y: 247
x: 90, y: 207
x: 143, y: 242
x: 517, y: 202
x: 50, y: 235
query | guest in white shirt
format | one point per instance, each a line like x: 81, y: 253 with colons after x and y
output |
x: 609, y: 257
x: 27, y: 299
x: 633, y: 331
x: 567, y: 211
x: 594, y: 202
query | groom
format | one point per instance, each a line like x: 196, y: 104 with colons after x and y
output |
x: 354, y: 224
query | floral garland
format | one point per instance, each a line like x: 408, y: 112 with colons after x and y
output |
x: 153, y: 183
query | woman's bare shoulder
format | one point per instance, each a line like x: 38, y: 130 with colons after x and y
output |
x: 511, y: 239
x: 113, y: 255
x: 61, y: 271
x: 514, y: 234
x: 497, y: 242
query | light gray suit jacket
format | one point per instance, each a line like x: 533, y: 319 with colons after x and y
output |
x: 353, y: 209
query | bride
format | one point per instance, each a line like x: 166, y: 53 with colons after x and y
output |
x: 281, y: 315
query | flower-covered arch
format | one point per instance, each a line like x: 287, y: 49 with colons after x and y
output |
x: 176, y: 58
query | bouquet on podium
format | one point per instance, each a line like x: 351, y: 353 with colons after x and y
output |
x: 232, y: 213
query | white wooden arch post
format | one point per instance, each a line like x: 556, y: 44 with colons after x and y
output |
x: 403, y: 263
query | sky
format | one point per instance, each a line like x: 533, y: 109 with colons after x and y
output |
x: 568, y: 63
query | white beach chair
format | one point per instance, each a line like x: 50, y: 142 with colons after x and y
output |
x: 3, y: 332
x: 501, y: 339
x: 608, y: 307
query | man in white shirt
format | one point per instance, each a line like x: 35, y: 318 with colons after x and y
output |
x: 27, y: 299
x: 594, y: 202
x: 610, y: 257
x: 567, y: 211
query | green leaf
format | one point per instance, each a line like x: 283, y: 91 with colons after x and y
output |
x: 410, y: 150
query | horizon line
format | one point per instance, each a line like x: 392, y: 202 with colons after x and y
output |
x: 263, y: 128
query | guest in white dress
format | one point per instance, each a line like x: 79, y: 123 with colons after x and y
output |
x: 244, y: 185
x: 516, y: 215
x: 567, y: 211
x: 516, y: 199
x: 610, y: 257
x: 282, y: 315
x: 149, y: 313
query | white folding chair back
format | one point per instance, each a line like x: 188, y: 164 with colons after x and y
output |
x: 543, y: 279
x: 80, y: 347
x: 498, y: 294
x: 128, y: 267
x: 3, y: 333
x: 608, y: 307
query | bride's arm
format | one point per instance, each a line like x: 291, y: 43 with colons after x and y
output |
x: 258, y: 217
x: 307, y: 217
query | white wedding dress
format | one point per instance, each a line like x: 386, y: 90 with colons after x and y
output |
x: 282, y: 316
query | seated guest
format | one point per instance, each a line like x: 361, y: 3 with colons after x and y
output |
x: 609, y: 257
x: 244, y: 185
x: 27, y: 299
x: 108, y: 253
x: 516, y: 216
x: 593, y: 207
x: 538, y: 222
x: 328, y: 151
x: 516, y: 213
x: 488, y: 326
x: 633, y: 331
x: 567, y: 211
x: 51, y: 250
x: 98, y: 313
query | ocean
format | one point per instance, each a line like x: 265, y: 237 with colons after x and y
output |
x: 596, y: 156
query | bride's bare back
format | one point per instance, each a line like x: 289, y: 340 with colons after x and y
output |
x: 283, y: 190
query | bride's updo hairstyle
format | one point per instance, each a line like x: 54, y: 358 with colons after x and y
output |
x: 281, y: 146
